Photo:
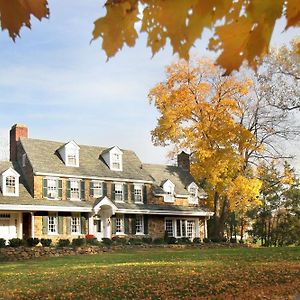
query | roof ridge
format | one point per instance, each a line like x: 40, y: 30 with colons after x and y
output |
x: 84, y: 145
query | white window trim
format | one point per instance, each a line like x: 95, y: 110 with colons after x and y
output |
x: 10, y: 173
x: 193, y: 199
x: 55, y: 215
x: 169, y: 197
x: 101, y: 182
x: 79, y: 224
x: 140, y: 233
x: 79, y: 187
x: 122, y: 184
x: 141, y: 186
x: 174, y: 226
x: 56, y: 179
x: 122, y: 225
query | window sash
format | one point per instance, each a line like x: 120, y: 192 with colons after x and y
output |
x: 97, y: 189
x: 10, y: 184
x: 138, y: 193
x: 119, y: 192
x: 52, y: 188
x: 75, y: 225
x: 74, y: 189
x: 52, y: 224
x: 119, y: 225
x: 169, y: 227
x: 139, y: 225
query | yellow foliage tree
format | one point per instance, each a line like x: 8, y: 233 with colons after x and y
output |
x: 242, y: 29
x: 200, y: 111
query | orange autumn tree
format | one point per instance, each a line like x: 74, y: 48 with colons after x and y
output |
x: 199, y: 112
x: 240, y: 30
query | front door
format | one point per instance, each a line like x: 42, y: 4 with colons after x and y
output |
x: 98, y: 228
x: 26, y: 225
x: 8, y: 226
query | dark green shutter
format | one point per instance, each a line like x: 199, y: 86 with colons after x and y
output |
x: 113, y: 225
x: 68, y: 225
x: 82, y: 190
x: 113, y: 191
x: 146, y: 224
x: 45, y: 225
x: 104, y: 188
x: 132, y: 192
x: 145, y: 194
x: 68, y: 189
x: 60, y: 224
x: 133, y: 226
x: 126, y: 224
x: 125, y: 189
x: 45, y: 187
x: 83, y: 225
x: 91, y: 188
x: 59, y: 188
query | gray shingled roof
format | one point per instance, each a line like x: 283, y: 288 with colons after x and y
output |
x: 181, y: 178
x: 175, y: 208
x: 4, y: 165
x: 44, y: 158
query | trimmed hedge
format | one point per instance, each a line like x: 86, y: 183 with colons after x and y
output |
x: 2, y: 243
x: 63, y: 243
x: 78, y: 242
x: 15, y: 242
x: 46, y: 242
x: 32, y: 242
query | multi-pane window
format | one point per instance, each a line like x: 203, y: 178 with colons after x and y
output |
x: 190, y: 228
x: 10, y: 185
x: 72, y: 160
x: 52, y: 224
x: 119, y: 225
x: 193, y: 197
x: 185, y: 228
x: 75, y: 189
x: 52, y: 188
x: 139, y: 224
x: 97, y: 189
x: 138, y: 193
x: 75, y: 224
x: 119, y: 192
x: 169, y: 227
x: 116, y: 161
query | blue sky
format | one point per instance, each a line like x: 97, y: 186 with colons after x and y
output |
x: 60, y: 86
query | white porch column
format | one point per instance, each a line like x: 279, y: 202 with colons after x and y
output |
x: 205, y: 227
x: 91, y: 224
x: 32, y: 225
x: 197, y: 229
x: 20, y: 226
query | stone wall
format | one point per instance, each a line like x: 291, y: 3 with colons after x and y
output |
x: 25, y: 253
x: 156, y: 226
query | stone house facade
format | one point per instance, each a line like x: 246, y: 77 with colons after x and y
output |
x: 63, y: 190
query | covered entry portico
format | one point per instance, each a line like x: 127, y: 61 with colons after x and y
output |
x: 104, y: 208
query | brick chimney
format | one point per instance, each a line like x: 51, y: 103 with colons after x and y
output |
x: 183, y: 161
x: 17, y: 131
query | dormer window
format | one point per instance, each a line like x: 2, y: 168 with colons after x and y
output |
x: 116, y: 161
x: 72, y: 160
x: 113, y: 157
x: 169, y: 191
x: 10, y: 185
x: 10, y: 182
x: 70, y: 154
x: 193, y: 193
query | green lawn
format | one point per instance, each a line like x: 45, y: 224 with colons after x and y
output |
x: 158, y: 274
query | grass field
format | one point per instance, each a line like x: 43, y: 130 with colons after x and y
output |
x: 158, y: 274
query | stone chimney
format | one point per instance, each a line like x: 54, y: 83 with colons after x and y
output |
x: 17, y: 131
x: 183, y: 161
